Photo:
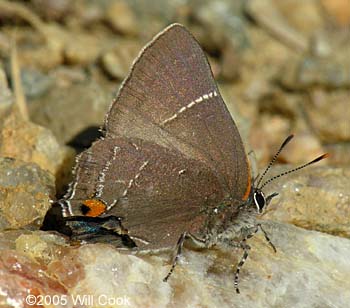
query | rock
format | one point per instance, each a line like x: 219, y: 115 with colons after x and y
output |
x: 326, y: 64
x: 317, y: 198
x: 122, y: 18
x: 329, y: 114
x: 25, y: 193
x: 220, y: 27
x: 68, y: 115
x: 304, y: 16
x: 338, y: 154
x: 310, y: 71
x: 8, y: 238
x: 43, y: 246
x: 276, y: 102
x: 35, y: 43
x: 35, y: 83
x: 338, y: 10
x: 278, y: 116
x: 52, y: 9
x: 230, y: 63
x: 306, y: 262
x: 223, y: 34
x: 5, y: 45
x: 239, y: 112
x: 6, y: 98
x: 36, y: 55
x: 83, y: 49
x: 259, y: 99
x: 31, y: 143
x: 86, y: 13
x: 304, y: 147
x: 118, y: 60
x: 267, y: 135
x: 22, y: 279
x: 65, y: 76
x: 269, y: 17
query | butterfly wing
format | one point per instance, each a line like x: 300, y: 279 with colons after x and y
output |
x: 153, y: 189
x: 170, y: 98
x: 171, y: 150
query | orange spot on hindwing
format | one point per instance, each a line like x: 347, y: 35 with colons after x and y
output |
x: 93, y: 207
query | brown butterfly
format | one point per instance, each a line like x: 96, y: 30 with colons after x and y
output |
x: 171, y: 165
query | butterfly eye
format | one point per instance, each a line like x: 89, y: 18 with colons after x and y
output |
x: 259, y: 200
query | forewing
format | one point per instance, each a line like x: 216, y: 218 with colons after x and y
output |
x: 171, y: 99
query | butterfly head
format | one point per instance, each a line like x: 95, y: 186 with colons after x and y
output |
x: 261, y: 201
x: 258, y: 198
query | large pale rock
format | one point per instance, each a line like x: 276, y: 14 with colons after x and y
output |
x: 310, y: 269
x: 317, y: 198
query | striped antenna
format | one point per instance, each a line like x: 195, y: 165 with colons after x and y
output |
x: 295, y: 169
x: 285, y: 142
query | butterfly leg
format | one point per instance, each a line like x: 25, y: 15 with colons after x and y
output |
x: 267, y: 237
x: 179, y: 246
x: 198, y: 242
x: 246, y: 249
x: 250, y: 232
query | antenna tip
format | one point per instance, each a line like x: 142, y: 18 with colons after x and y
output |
x: 320, y: 158
x: 325, y: 155
x: 289, y: 138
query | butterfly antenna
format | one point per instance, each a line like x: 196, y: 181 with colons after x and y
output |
x: 285, y: 142
x: 295, y: 169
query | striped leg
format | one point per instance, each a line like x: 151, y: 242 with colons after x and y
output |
x: 198, y: 242
x: 246, y: 249
x: 266, y: 237
x: 251, y: 232
x: 179, y: 246
x: 243, y: 244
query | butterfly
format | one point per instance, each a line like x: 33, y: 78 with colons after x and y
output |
x: 171, y: 165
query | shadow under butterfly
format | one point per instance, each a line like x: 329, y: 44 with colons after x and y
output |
x: 171, y: 164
